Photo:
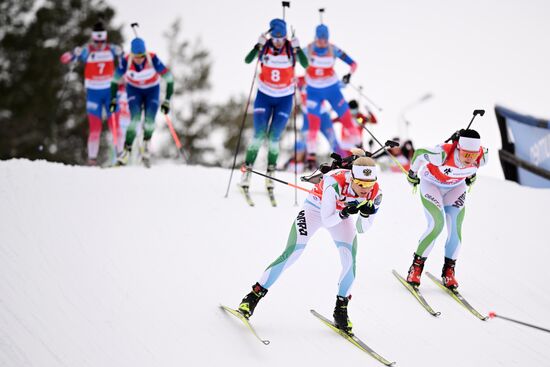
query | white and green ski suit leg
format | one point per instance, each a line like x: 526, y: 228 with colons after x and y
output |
x: 442, y: 204
x: 305, y: 225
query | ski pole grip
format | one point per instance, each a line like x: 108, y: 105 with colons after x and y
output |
x: 479, y: 112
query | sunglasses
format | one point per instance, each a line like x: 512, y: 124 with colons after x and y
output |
x: 364, y: 184
x: 278, y: 40
x: 469, y: 154
x: 138, y: 56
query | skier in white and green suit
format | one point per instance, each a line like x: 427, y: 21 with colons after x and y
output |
x: 329, y: 205
x: 445, y: 172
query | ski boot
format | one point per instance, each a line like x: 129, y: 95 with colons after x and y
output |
x: 249, y: 302
x: 415, y: 271
x: 341, y: 320
x: 270, y: 172
x: 245, y: 178
x: 92, y: 162
x: 448, y: 274
x: 145, y: 154
x: 124, y: 157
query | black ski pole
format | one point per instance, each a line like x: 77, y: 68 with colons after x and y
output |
x: 242, y: 128
x: 493, y: 315
x: 278, y: 180
x: 134, y: 26
x: 475, y: 113
x: 384, y: 147
x: 387, y: 144
x: 370, y: 101
x: 286, y: 4
x: 243, y: 169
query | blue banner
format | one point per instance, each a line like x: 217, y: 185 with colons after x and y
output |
x: 531, y: 138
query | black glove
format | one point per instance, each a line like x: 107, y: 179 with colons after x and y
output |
x: 413, y: 178
x: 165, y: 107
x: 471, y: 180
x: 350, y: 209
x: 112, y: 105
x: 346, y: 78
x: 366, y: 209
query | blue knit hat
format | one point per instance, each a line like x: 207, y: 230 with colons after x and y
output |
x: 138, y: 46
x: 321, y: 31
x: 278, y: 28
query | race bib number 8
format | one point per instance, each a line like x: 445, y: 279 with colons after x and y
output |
x: 275, y: 75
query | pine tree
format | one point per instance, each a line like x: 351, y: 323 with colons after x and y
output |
x: 226, y: 121
x: 42, y: 112
x: 190, y: 64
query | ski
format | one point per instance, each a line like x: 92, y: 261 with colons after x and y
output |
x: 457, y: 297
x: 353, y: 339
x: 416, y: 293
x: 246, y: 193
x: 241, y: 317
x: 271, y: 196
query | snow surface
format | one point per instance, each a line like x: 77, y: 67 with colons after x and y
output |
x: 127, y: 267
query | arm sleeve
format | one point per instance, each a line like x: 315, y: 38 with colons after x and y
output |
x: 363, y: 224
x: 117, y: 52
x: 169, y: 79
x: 343, y: 56
x: 120, y: 69
x: 119, y: 72
x: 158, y: 65
x: 329, y: 215
x: 84, y: 54
x: 114, y: 88
x: 251, y: 55
x: 421, y: 157
x: 302, y: 58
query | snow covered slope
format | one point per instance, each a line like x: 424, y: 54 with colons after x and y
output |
x: 127, y: 267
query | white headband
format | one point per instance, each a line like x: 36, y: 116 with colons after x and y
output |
x: 99, y: 35
x: 365, y: 173
x: 471, y: 144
